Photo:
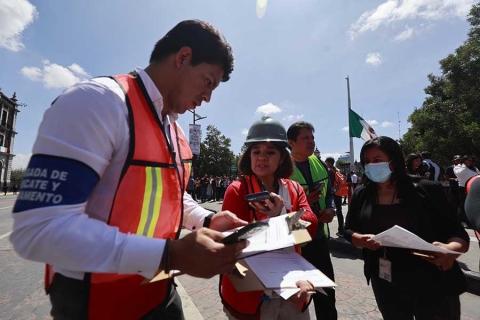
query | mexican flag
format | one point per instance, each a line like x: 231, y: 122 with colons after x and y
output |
x: 359, y: 128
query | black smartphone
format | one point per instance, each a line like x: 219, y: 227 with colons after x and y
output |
x: 258, y: 197
x: 246, y: 232
x: 318, y: 185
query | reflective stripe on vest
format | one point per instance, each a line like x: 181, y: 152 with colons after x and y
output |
x: 246, y: 305
x: 319, y: 173
x: 148, y: 201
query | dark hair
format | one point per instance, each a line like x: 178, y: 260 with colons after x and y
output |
x: 465, y: 158
x: 392, y: 149
x: 284, y: 170
x: 330, y: 159
x: 410, y: 158
x: 294, y: 130
x: 426, y: 154
x: 207, y: 43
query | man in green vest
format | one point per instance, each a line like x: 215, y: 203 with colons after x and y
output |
x: 310, y: 172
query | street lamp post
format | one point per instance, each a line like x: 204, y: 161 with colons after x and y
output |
x: 317, y: 153
x: 196, y: 117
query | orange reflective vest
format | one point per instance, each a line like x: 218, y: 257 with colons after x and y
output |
x: 148, y: 202
x: 246, y: 305
x: 340, y: 186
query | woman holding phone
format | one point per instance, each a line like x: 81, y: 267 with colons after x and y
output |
x: 266, y: 166
x: 406, y: 283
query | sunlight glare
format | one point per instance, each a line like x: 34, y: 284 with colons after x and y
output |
x: 261, y: 8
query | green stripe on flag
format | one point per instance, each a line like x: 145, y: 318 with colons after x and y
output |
x: 355, y: 125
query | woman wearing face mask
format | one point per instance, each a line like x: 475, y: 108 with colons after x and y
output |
x: 406, y: 285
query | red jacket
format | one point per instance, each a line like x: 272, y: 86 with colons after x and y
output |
x: 246, y: 305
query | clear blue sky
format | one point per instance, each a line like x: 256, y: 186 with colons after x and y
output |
x: 291, y: 61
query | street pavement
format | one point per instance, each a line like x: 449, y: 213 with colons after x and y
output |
x: 22, y: 295
x: 355, y: 299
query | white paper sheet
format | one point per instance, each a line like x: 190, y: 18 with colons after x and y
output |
x: 275, y: 237
x: 287, y: 293
x: 399, y: 237
x: 283, y: 268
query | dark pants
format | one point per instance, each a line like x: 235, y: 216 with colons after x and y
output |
x: 399, y: 302
x: 172, y: 311
x: 454, y: 197
x: 318, y: 254
x: 69, y: 298
x: 192, y: 193
x: 338, y: 206
x: 462, y: 195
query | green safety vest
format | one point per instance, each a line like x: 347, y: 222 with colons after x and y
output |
x: 319, y: 173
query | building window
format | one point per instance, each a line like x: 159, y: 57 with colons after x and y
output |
x: 2, y: 140
x: 4, y: 118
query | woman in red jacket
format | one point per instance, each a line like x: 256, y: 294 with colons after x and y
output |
x: 266, y: 166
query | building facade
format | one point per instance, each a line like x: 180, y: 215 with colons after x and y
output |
x: 8, y: 118
x: 344, y: 165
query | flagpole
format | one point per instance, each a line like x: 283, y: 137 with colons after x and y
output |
x: 352, y: 156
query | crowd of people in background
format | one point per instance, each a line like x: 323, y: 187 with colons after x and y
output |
x: 209, y: 188
x: 420, y: 166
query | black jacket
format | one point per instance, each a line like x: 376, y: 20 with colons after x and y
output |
x: 430, y: 216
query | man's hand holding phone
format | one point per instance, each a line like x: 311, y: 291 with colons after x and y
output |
x: 317, y: 186
x: 315, y: 192
x: 326, y: 216
x: 245, y: 233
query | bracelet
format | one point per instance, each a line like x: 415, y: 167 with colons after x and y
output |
x: 208, y: 220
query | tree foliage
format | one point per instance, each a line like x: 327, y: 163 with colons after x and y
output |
x: 215, y: 155
x: 448, y: 122
x: 16, y: 176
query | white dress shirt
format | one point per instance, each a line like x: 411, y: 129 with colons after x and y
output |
x: 436, y: 168
x: 89, y: 123
x: 354, y: 178
x: 463, y: 173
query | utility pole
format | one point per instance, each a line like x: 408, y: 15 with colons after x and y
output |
x: 399, y: 135
x: 352, y: 156
x: 196, y: 117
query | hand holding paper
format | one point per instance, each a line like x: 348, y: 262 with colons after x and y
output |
x: 444, y: 261
x: 203, y: 245
x: 365, y: 241
x: 399, y: 237
x: 277, y: 236
x: 226, y: 220
x: 303, y: 296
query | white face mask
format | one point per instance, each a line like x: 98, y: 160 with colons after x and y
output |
x: 378, y: 172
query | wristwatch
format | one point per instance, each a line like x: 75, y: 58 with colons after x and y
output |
x: 208, y: 220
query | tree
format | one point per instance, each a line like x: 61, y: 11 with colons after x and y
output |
x: 16, y: 176
x: 341, y: 163
x: 243, y: 148
x: 215, y: 155
x: 236, y: 158
x: 448, y: 121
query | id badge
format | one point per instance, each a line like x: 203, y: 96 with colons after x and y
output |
x: 385, y: 269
